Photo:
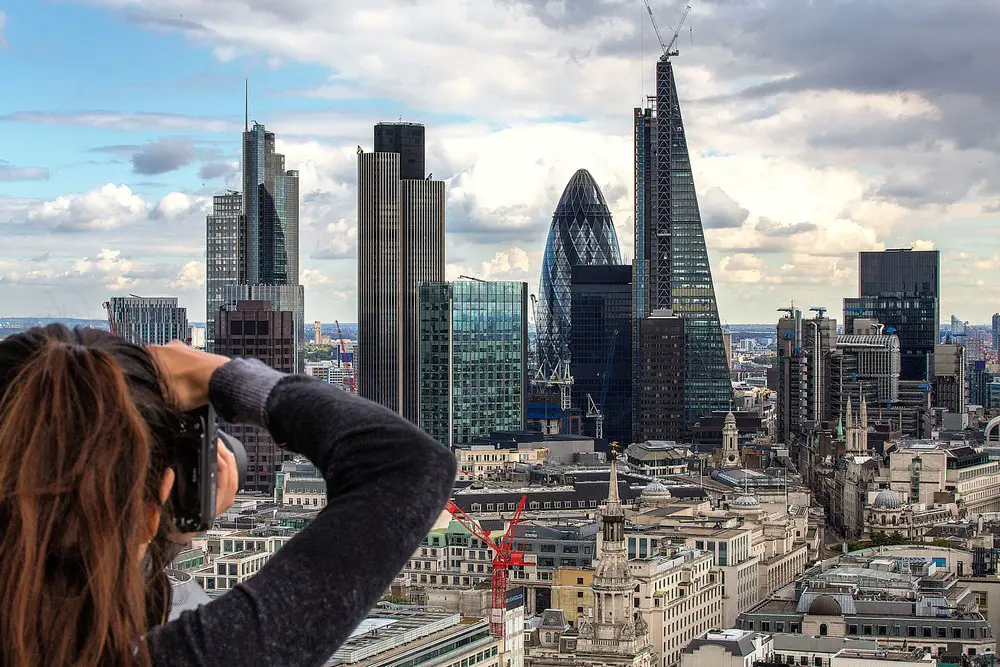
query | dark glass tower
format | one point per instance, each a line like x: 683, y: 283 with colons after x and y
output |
x: 601, y: 346
x: 670, y: 238
x: 473, y: 359
x: 901, y: 288
x: 224, y: 245
x: 581, y: 234
x: 271, y: 212
x: 407, y: 141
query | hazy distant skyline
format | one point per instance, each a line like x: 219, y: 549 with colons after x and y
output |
x: 817, y: 130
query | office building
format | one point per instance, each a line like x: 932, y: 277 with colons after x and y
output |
x: 255, y: 329
x: 791, y: 382
x: 901, y: 289
x: 660, y: 396
x: 581, y: 233
x: 601, y: 347
x: 400, y: 245
x: 672, y: 262
x: 271, y: 212
x: 407, y: 141
x: 995, y: 347
x: 950, y: 388
x: 224, y: 234
x: 281, y: 298
x: 473, y: 359
x: 147, y: 320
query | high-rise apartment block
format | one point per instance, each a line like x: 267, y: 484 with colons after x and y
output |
x: 901, y: 289
x: 148, y: 320
x: 257, y: 330
x: 672, y: 268
x: 223, y: 249
x: 601, y: 346
x: 400, y: 245
x: 660, y: 394
x: 473, y: 359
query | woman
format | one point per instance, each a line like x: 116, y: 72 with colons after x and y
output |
x: 86, y: 424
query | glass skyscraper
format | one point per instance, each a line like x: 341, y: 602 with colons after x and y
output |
x: 672, y: 267
x: 601, y: 346
x: 901, y: 288
x: 271, y: 211
x: 473, y: 359
x: 581, y: 234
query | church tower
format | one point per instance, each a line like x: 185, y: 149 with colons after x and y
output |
x: 615, y: 635
x: 730, y: 442
x: 857, y: 429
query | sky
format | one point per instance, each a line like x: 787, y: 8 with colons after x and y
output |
x: 817, y: 129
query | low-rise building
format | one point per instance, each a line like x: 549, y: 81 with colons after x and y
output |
x: 728, y: 648
x: 482, y: 461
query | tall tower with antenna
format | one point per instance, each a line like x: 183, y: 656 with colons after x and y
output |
x: 672, y: 268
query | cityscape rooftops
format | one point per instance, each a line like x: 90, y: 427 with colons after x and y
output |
x: 736, y: 642
x: 387, y: 631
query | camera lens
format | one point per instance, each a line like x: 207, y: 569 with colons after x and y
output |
x: 239, y: 453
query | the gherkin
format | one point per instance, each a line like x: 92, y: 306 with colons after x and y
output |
x: 581, y: 233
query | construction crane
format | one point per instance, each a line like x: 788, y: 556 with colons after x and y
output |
x: 504, y: 557
x: 352, y: 379
x: 819, y: 310
x: 595, y: 411
x: 668, y: 47
x: 478, y: 280
x: 560, y: 375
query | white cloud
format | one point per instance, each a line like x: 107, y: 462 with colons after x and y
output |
x: 115, y: 271
x: 108, y: 207
x: 313, y: 277
x: 3, y: 25
x: 177, y: 205
x: 191, y: 276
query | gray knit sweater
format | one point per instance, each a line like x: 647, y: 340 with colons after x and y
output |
x: 388, y: 482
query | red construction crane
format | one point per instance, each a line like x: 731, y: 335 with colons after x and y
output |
x: 112, y: 326
x: 503, y: 558
x: 352, y: 378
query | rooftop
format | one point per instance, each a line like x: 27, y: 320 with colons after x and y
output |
x: 390, y: 630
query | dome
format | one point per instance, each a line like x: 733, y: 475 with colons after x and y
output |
x: 656, y: 489
x: 581, y: 234
x: 825, y: 605
x: 887, y: 499
x: 746, y: 501
x: 731, y: 418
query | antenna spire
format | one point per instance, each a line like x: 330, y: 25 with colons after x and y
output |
x: 246, y: 117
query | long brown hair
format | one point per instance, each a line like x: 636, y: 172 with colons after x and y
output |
x: 84, y: 422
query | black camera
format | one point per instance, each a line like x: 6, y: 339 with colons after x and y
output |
x: 196, y: 469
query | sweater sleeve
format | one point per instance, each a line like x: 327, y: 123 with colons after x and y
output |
x: 387, y: 483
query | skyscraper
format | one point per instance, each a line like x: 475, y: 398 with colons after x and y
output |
x: 224, y: 232
x: 901, y: 288
x: 147, y: 320
x: 672, y: 267
x: 271, y: 212
x: 473, y: 359
x: 601, y: 346
x: 400, y: 245
x: 659, y: 396
x: 996, y: 333
x: 258, y: 330
x: 280, y: 298
x: 405, y: 140
x: 581, y: 234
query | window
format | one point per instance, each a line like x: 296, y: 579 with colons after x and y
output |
x: 866, y: 630
x: 823, y: 630
x: 911, y: 631
x: 852, y: 629
x: 882, y: 631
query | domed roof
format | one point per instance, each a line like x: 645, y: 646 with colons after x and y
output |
x: 825, y: 605
x: 730, y: 418
x: 582, y: 233
x: 746, y: 501
x: 887, y: 499
x: 656, y: 488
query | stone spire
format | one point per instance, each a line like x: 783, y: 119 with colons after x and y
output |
x: 615, y: 632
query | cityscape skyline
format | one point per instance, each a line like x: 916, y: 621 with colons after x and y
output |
x: 795, y: 173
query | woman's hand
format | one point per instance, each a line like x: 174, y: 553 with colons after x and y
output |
x: 187, y: 372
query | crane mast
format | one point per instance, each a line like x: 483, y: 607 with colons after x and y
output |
x: 668, y: 47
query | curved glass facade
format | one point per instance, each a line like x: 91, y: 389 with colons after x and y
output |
x: 581, y: 234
